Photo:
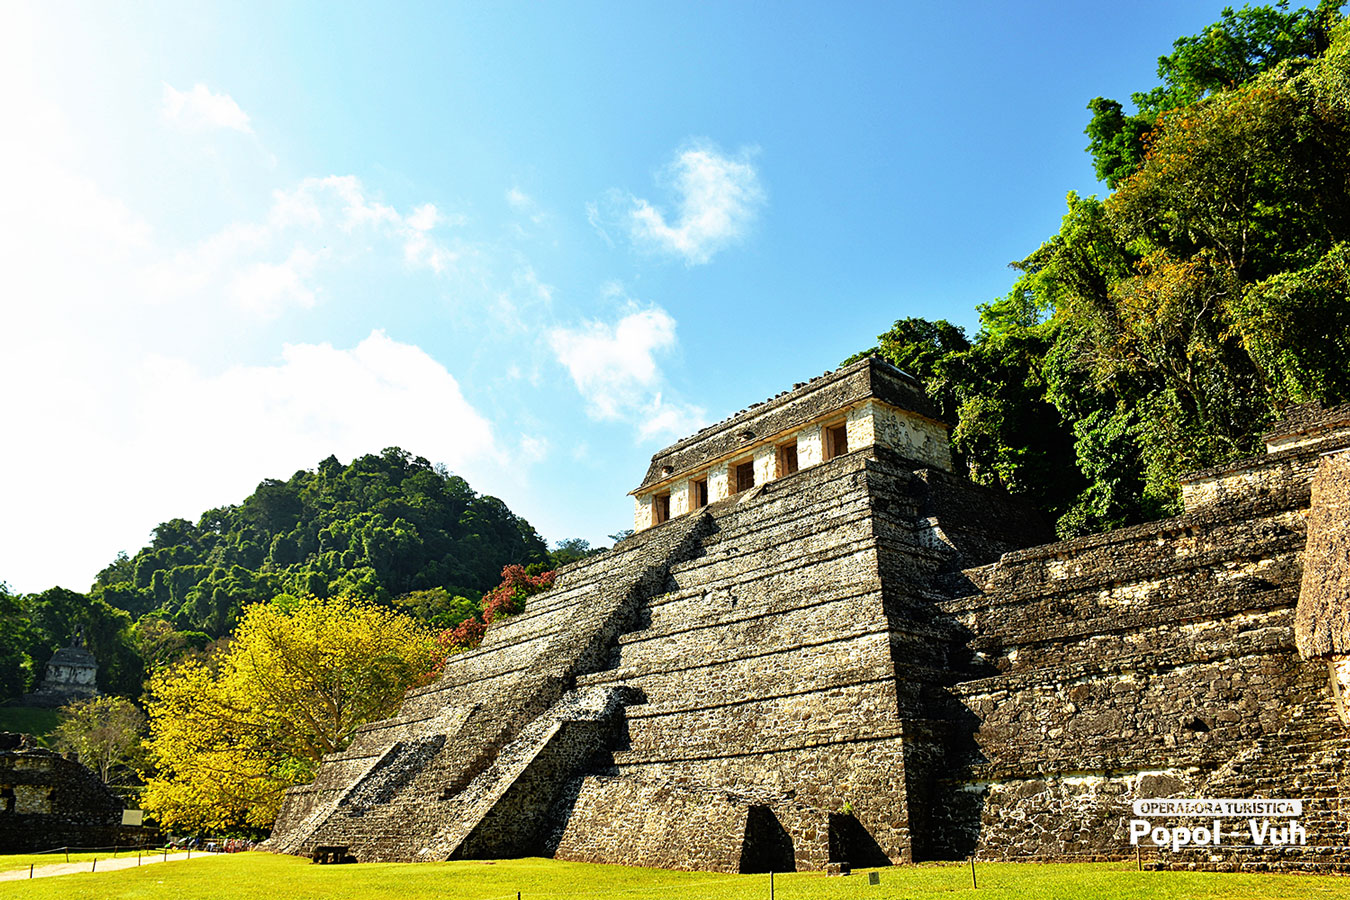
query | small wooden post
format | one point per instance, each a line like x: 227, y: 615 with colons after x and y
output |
x: 95, y: 865
x: 30, y: 870
x: 973, y: 883
x: 771, y: 884
x: 1138, y: 858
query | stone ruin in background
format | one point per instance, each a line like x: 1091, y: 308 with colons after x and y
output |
x: 71, y: 674
x: 822, y: 646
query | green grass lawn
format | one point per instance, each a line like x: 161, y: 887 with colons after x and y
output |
x: 22, y: 860
x: 252, y: 875
x: 29, y: 720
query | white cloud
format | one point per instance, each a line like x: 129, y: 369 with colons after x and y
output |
x: 115, y: 340
x: 534, y: 449
x: 143, y: 360
x: 162, y: 437
x: 718, y: 199
x: 527, y: 282
x: 271, y: 265
x: 424, y: 218
x: 614, y: 367
x: 318, y: 400
x: 528, y: 209
x: 201, y: 110
x: 663, y: 418
x: 267, y: 287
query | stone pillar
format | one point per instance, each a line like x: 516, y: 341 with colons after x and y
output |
x: 680, y: 498
x: 642, y: 512
x: 766, y: 464
x: 810, y: 447
x: 719, y: 483
x: 1339, y: 670
x: 1322, y: 616
x: 861, y: 426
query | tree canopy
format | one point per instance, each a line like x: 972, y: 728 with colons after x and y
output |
x: 1162, y: 329
x: 381, y: 527
x: 1229, y: 53
x: 229, y: 733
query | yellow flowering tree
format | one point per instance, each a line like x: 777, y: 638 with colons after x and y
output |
x: 229, y: 734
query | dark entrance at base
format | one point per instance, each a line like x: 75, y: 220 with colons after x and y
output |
x: 767, y: 846
x: 851, y: 843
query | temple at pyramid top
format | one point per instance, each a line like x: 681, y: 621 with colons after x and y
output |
x: 858, y: 406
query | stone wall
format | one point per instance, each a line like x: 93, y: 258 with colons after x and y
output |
x: 48, y: 801
x: 1154, y: 661
x: 1322, y: 620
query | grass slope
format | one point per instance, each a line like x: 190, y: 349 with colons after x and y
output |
x: 251, y: 875
x: 29, y: 720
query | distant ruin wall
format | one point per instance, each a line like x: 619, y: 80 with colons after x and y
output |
x: 48, y: 801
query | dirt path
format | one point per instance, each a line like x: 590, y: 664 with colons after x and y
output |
x: 101, y: 865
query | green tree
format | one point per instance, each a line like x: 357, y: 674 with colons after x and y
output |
x: 1227, y: 54
x: 571, y: 550
x: 105, y: 734
x: 1296, y: 326
x: 439, y: 607
x: 160, y: 644
x: 385, y: 525
x: 1162, y: 329
x: 916, y: 346
x: 16, y: 640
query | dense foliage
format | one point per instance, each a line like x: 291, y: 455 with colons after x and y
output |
x: 506, y: 599
x: 229, y: 733
x: 34, y: 626
x: 1163, y: 328
x: 378, y: 528
x: 1229, y: 53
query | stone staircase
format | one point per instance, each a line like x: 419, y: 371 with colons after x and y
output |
x: 431, y: 776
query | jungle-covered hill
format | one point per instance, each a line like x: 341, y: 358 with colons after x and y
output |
x: 390, y: 528
x: 382, y: 526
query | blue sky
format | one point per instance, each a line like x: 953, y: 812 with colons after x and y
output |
x: 534, y: 241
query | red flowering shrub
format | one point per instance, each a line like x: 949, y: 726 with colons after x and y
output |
x: 506, y: 599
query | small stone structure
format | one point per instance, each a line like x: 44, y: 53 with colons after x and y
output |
x: 71, y: 674
x: 822, y: 647
x: 48, y: 801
